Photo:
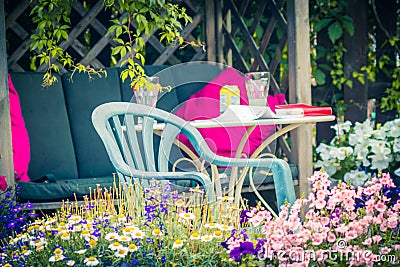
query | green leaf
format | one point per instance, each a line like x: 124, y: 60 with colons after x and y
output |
x: 349, y: 83
x: 319, y: 76
x: 116, y: 50
x: 322, y: 24
x: 118, y: 31
x: 335, y: 31
x: 348, y: 26
x: 123, y: 52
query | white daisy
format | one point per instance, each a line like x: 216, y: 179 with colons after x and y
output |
x: 206, y: 238
x: 55, y: 258
x: 156, y: 232
x: 115, y: 246
x: 187, y: 216
x: 111, y: 236
x: 81, y: 251
x: 137, y: 234
x: 124, y: 238
x: 91, y: 261
x: 121, y: 252
x: 132, y: 247
x: 178, y: 243
x: 195, y: 236
x: 212, y: 225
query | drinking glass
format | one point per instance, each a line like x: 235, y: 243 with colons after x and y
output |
x: 257, y: 86
x: 147, y: 94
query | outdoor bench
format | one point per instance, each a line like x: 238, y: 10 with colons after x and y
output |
x: 67, y: 155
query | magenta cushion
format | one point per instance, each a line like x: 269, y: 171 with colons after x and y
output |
x: 19, y: 135
x: 205, y: 105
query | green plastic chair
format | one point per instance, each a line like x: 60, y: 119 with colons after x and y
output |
x: 117, y: 124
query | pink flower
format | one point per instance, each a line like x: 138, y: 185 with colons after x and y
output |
x: 367, y: 242
x: 380, y: 206
x: 317, y: 239
x: 396, y: 247
x: 319, y: 203
x: 3, y: 183
x: 385, y: 250
x: 376, y: 239
x: 331, y: 237
x: 321, y: 194
x: 350, y: 235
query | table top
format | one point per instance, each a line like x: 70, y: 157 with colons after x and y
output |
x: 301, y: 120
x: 216, y: 124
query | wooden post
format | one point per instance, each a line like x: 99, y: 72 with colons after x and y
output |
x: 210, y: 30
x: 6, y: 161
x: 300, y: 85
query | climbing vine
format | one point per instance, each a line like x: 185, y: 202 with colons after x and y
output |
x: 329, y: 16
x: 137, y: 19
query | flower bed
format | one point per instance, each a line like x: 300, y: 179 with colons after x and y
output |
x: 154, y: 227
x: 342, y: 225
x: 358, y: 152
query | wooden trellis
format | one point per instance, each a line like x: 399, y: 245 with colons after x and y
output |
x: 248, y: 35
x: 98, y: 55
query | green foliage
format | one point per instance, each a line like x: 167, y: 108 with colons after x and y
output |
x: 161, y: 16
x: 53, y: 21
x: 138, y: 19
x: 329, y: 16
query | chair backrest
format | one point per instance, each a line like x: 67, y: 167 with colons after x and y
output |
x: 127, y: 131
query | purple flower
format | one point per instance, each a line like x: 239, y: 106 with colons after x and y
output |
x: 244, y: 216
x: 245, y: 247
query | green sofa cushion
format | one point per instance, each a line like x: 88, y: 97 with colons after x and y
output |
x: 47, y: 123
x: 62, y: 189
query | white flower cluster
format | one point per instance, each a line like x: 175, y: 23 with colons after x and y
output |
x: 358, y: 148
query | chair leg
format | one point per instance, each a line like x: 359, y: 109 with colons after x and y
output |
x: 283, y: 182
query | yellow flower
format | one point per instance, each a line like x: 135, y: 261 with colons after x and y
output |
x: 85, y: 233
x: 124, y: 238
x: 111, y: 236
x: 157, y: 232
x: 132, y: 247
x: 180, y: 203
x: 217, y: 233
x: 195, y: 236
x: 91, y: 261
x: 58, y: 251
x: 206, y: 238
x: 178, y: 243
x: 65, y: 236
x: 121, y: 252
x: 187, y: 216
x: 92, y: 243
x: 56, y: 258
x: 211, y: 225
x: 121, y: 218
x: 224, y: 227
x: 115, y: 246
x: 137, y: 234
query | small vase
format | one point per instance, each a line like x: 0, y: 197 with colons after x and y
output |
x: 148, y: 93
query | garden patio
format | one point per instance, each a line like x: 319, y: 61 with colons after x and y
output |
x: 80, y: 106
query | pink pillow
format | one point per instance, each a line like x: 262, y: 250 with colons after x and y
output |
x: 19, y: 135
x: 205, y: 105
